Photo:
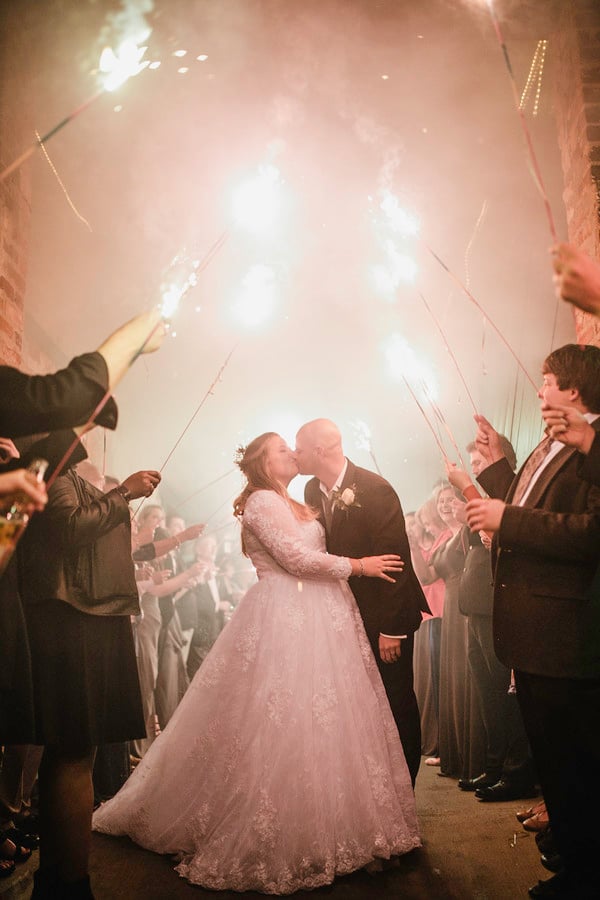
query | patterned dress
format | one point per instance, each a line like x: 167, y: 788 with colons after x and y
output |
x: 282, y: 767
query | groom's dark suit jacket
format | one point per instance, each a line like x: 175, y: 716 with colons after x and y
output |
x: 375, y: 528
x: 546, y: 599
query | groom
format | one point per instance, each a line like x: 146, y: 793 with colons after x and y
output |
x: 362, y: 516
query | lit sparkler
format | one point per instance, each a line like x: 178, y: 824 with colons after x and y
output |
x: 257, y: 297
x: 362, y: 438
x: 117, y: 68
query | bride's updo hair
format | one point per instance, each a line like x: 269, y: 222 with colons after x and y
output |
x: 252, y: 460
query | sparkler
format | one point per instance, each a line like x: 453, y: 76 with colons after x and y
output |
x: 118, y: 68
x: 362, y: 437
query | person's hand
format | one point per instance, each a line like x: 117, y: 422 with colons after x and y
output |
x: 458, y: 478
x: 151, y: 328
x: 142, y: 484
x: 378, y: 566
x: 159, y: 576
x: 23, y: 482
x: 191, y: 533
x: 8, y: 450
x: 196, y: 571
x: 389, y: 648
x: 459, y: 511
x: 576, y: 277
x: 487, y: 440
x: 568, y: 426
x: 485, y: 515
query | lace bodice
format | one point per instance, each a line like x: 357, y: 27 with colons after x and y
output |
x: 277, y: 542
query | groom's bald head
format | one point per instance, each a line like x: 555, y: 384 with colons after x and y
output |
x: 319, y: 447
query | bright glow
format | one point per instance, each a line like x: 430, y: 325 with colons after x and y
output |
x: 202, y: 58
x: 118, y: 67
x: 403, y: 362
x: 172, y: 294
x: 183, y: 70
x: 179, y: 52
x: 257, y: 298
x: 257, y: 202
x: 155, y: 64
x: 399, y: 220
x: 399, y: 269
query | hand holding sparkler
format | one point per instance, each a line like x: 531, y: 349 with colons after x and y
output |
x: 485, y: 515
x: 143, y: 334
x: 487, y: 441
x: 576, y: 278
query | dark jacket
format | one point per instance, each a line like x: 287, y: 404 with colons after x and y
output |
x: 64, y: 399
x: 476, y: 592
x: 374, y: 528
x: 79, y: 550
x: 546, y: 553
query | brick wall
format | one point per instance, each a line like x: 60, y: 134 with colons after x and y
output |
x: 16, y: 132
x: 577, y: 98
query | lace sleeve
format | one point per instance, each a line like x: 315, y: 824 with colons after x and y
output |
x: 270, y: 519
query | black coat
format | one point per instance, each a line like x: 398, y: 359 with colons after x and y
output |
x: 546, y: 589
x: 374, y: 528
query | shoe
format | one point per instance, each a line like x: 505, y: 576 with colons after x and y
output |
x: 504, y: 790
x: 545, y: 842
x: 15, y: 852
x: 482, y: 781
x: 525, y: 814
x: 563, y: 887
x: 23, y: 838
x: 538, y: 822
x: 432, y: 761
x: 553, y: 863
x: 7, y: 868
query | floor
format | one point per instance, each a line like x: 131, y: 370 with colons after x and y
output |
x: 471, y: 851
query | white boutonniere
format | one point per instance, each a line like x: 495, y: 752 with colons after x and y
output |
x: 346, y: 499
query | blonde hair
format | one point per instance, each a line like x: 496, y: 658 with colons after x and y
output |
x: 252, y: 460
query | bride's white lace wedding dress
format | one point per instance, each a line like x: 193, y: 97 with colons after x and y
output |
x: 282, y: 766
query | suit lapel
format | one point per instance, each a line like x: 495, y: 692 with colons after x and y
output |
x: 547, y: 475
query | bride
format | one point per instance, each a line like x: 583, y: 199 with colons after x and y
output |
x: 282, y: 766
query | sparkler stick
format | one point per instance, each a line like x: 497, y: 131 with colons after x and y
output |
x: 448, y: 348
x: 117, y: 67
x: 468, y: 293
x: 429, y: 425
x: 440, y: 417
x: 534, y: 165
x: 208, y: 393
x: 206, y: 486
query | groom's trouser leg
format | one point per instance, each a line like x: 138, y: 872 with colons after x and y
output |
x: 398, y: 682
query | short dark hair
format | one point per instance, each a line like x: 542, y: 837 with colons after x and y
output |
x: 577, y: 366
x: 507, y: 449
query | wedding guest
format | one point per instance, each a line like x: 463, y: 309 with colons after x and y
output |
x: 79, y: 591
x: 426, y: 532
x: 282, y: 767
x: 199, y: 609
x: 546, y: 520
x: 460, y: 728
x: 508, y: 772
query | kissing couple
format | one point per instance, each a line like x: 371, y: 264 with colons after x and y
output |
x: 292, y: 757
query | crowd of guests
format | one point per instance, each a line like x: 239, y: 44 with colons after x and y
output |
x: 507, y: 665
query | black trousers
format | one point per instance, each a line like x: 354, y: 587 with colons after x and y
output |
x: 562, y: 720
x: 398, y: 682
x: 507, y: 749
